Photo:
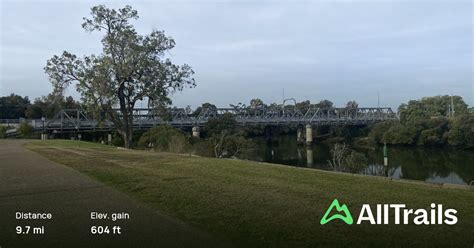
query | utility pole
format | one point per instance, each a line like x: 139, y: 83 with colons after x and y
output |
x: 43, y: 136
x: 283, y: 96
x: 452, y: 106
x: 378, y: 99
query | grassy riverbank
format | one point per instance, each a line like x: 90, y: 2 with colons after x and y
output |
x: 257, y: 204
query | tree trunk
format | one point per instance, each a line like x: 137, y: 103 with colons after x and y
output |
x: 129, y: 142
x: 127, y: 138
x: 126, y: 132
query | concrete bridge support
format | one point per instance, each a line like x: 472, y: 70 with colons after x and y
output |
x: 196, y: 132
x: 309, y: 134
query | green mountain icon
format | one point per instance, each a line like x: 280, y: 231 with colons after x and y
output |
x: 347, y: 217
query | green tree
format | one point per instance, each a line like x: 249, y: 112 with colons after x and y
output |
x: 378, y: 130
x: 303, y: 106
x: 26, y: 130
x: 324, y: 104
x: 461, y: 132
x: 352, y: 104
x: 225, y: 137
x: 48, y: 106
x: 13, y: 106
x: 131, y: 68
x: 399, y: 134
x: 431, y: 107
x: 204, y: 106
x: 431, y: 131
x: 428, y: 122
x: 256, y: 103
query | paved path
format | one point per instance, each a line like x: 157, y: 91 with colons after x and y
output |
x: 31, y: 183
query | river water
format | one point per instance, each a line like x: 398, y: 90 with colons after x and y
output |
x: 430, y: 165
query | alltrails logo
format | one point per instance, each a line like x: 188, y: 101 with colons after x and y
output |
x: 402, y: 215
x: 347, y: 217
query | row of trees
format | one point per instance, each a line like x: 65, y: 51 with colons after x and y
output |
x: 257, y: 103
x: 430, y: 121
x: 14, y: 106
x: 432, y: 108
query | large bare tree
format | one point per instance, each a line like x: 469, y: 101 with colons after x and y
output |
x: 131, y: 68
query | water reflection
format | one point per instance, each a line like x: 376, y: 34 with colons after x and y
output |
x: 431, y: 165
x: 309, y: 156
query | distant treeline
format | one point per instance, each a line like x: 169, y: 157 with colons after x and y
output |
x: 430, y: 121
x: 14, y: 106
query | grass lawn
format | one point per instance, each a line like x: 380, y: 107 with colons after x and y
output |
x: 258, y: 204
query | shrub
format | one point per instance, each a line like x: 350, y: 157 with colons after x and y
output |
x: 378, y: 130
x: 3, y: 131
x: 355, y: 161
x: 117, y: 140
x: 400, y: 135
x: 164, y: 138
x: 461, y: 132
x: 226, y: 139
x: 431, y: 137
x: 346, y: 159
x: 26, y: 130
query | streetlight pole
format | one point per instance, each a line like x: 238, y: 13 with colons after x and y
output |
x: 42, y: 134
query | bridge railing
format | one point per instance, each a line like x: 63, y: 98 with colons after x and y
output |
x: 9, y: 121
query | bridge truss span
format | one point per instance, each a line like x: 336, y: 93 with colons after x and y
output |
x: 144, y: 118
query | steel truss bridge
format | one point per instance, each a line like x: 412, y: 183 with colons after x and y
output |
x: 68, y: 120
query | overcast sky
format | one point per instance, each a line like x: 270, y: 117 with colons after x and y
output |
x: 336, y: 50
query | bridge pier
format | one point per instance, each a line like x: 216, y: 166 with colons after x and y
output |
x: 196, y: 132
x: 309, y: 134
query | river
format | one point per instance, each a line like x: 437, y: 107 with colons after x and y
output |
x: 434, y: 165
